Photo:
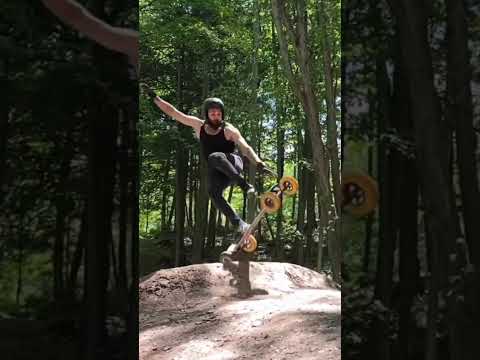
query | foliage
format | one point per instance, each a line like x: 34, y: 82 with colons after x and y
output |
x: 226, y: 49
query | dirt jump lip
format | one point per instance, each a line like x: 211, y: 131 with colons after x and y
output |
x: 192, y: 312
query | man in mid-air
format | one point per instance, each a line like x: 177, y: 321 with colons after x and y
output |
x: 217, y: 141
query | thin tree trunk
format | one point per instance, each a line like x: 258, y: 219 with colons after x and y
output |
x: 181, y: 173
x: 78, y: 253
x: 163, y: 211
x: 201, y: 193
x: 191, y: 183
x: 229, y: 199
x: 147, y: 212
x: 464, y: 317
x: 294, y: 198
x: 180, y: 186
x: 101, y: 169
x: 328, y: 72
x: 407, y: 234
x: 201, y: 202
x: 386, y: 242
x: 304, y: 90
x: 310, y: 199
x: 171, y: 212
x: 124, y: 203
x: 368, y: 223
x: 279, y: 247
x: 20, y: 255
x: 302, y: 179
x: 59, y: 249
x: 165, y: 188
x: 432, y: 153
x: 460, y: 114
x: 212, y: 222
x: 134, y: 162
x: 61, y: 213
x: 5, y: 114
x: 252, y: 168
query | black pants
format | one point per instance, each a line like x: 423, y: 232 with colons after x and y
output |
x: 224, y: 170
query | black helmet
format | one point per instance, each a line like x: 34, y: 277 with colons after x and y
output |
x: 212, y: 103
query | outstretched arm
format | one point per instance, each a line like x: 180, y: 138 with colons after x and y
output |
x: 171, y: 111
x: 234, y: 135
x: 118, y: 39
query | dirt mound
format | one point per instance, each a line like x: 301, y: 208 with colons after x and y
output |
x: 192, y: 312
x: 168, y: 288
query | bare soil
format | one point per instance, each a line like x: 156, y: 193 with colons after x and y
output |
x: 196, y: 312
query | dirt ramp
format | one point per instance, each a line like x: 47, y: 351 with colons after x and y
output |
x: 191, y: 312
x: 169, y: 287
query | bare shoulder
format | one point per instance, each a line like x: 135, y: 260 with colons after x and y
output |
x: 231, y: 132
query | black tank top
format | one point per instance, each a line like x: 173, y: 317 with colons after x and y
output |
x: 215, y: 143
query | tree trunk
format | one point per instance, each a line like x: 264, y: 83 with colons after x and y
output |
x: 328, y: 73
x: 386, y: 242
x: 280, y: 132
x: 61, y: 213
x: 302, y: 180
x: 294, y: 198
x: 165, y: 193
x: 101, y: 168
x: 191, y: 186
x: 78, y: 253
x: 20, y: 255
x: 163, y: 211
x: 368, y: 223
x: 125, y: 202
x: 212, y: 222
x: 4, y: 118
x: 180, y: 191
x: 171, y: 212
x: 229, y: 199
x: 407, y: 217
x: 310, y: 198
x: 134, y: 165
x: 252, y: 168
x: 201, y: 198
x: 463, y: 317
x: 147, y: 212
x: 430, y: 138
x: 181, y: 172
x: 201, y: 212
x: 460, y: 114
x: 304, y: 90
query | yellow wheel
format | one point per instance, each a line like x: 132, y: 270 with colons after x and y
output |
x: 359, y: 194
x: 270, y: 202
x: 289, y: 185
x: 251, y: 244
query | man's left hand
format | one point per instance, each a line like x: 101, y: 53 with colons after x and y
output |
x: 261, y: 165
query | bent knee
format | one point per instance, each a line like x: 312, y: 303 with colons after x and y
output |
x: 216, y: 157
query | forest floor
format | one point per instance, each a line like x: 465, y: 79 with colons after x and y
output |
x: 195, y: 312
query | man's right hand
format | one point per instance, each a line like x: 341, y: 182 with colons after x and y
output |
x: 149, y: 91
x: 171, y: 111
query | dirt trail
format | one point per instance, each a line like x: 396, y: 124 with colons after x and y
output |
x: 194, y: 313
